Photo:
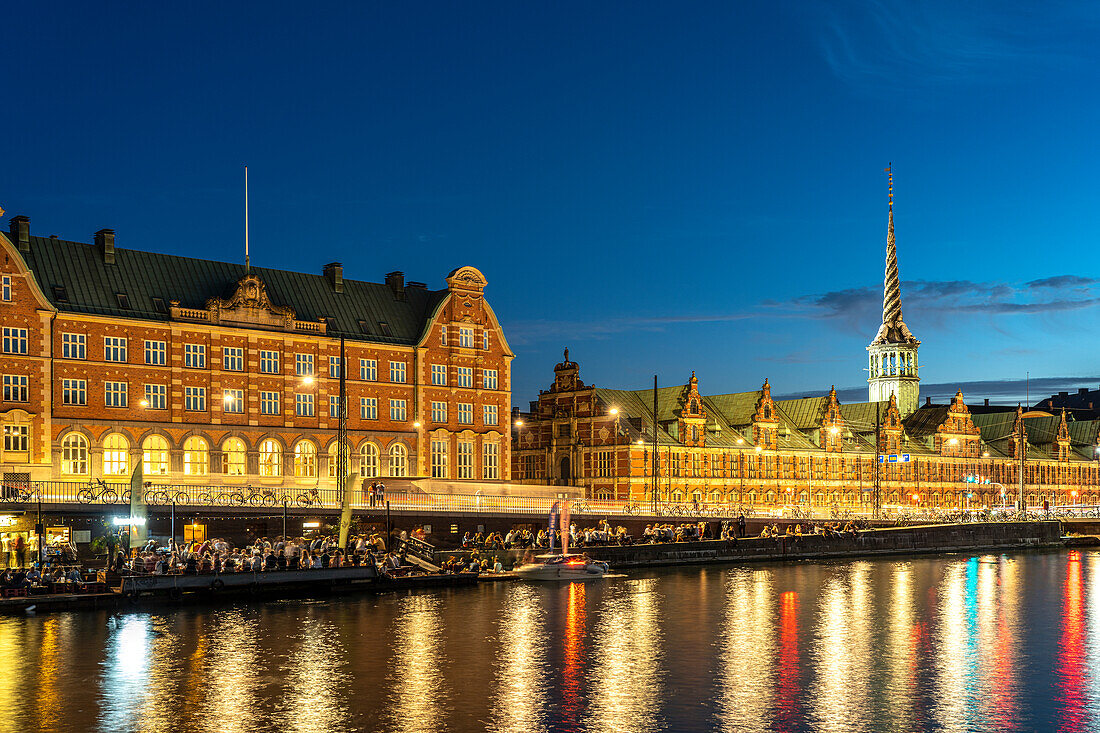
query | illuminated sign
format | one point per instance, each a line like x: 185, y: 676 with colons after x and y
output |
x: 311, y: 525
x: 129, y: 521
x: 7, y: 520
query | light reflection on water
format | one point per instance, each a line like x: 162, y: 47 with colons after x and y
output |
x: 953, y: 643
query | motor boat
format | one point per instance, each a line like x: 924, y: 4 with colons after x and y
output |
x: 562, y: 567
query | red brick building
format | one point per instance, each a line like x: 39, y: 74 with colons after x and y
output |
x: 208, y: 372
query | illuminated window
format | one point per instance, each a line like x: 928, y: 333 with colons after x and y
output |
x: 233, y: 399
x: 17, y: 438
x: 485, y: 339
x: 74, y: 455
x: 196, y: 456
x: 489, y: 414
x: 439, y: 459
x: 490, y: 461
x: 465, y: 461
x: 5, y: 289
x: 465, y: 376
x: 465, y: 413
x: 334, y: 367
x: 233, y: 457
x: 399, y: 460
x: 332, y: 466
x: 368, y: 370
x: 116, y: 455
x: 439, y: 411
x: 154, y: 459
x: 303, y: 365
x: 439, y: 375
x: 303, y: 405
x: 305, y: 459
x: 156, y: 353
x: 368, y: 460
x: 466, y: 337
x: 271, y: 458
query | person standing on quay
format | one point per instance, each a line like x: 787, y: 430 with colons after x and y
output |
x: 741, y: 526
x: 380, y: 493
x: 370, y: 493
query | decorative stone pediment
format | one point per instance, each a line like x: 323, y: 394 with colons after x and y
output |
x: 1062, y: 439
x: 250, y: 307
x: 692, y: 415
x: 831, y: 434
x: 891, y: 433
x: 466, y: 278
x: 957, y: 434
x: 765, y: 421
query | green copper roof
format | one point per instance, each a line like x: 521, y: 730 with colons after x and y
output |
x: 91, y: 286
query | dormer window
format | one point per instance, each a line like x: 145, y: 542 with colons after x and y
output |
x: 364, y: 327
x: 158, y: 305
x: 123, y: 301
x: 384, y: 328
x: 60, y: 294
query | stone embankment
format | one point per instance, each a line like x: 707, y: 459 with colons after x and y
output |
x: 867, y: 543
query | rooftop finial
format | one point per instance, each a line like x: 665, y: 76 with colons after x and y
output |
x: 893, y: 329
x: 890, y: 180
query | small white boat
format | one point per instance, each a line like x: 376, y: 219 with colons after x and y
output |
x: 562, y: 567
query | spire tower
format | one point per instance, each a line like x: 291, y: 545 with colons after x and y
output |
x: 893, y: 352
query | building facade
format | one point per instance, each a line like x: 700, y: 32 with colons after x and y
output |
x: 209, y: 372
x: 675, y: 444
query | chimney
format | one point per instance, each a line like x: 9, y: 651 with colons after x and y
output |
x: 105, y: 240
x: 1063, y: 394
x: 415, y: 284
x: 334, y: 271
x: 927, y: 401
x: 1082, y: 390
x: 1050, y: 404
x: 21, y: 233
x: 396, y: 281
x: 987, y: 402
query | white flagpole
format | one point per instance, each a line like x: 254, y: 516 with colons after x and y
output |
x: 247, y: 263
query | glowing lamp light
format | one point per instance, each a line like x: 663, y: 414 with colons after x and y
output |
x: 129, y: 521
x: 985, y: 454
x: 144, y: 403
x: 916, y: 497
x: 519, y: 423
x: 639, y: 442
x: 613, y: 411
x: 759, y: 448
x: 953, y: 441
x: 834, y: 430
x: 311, y: 525
x: 228, y: 397
x: 740, y: 441
x: 416, y: 424
x: 307, y: 379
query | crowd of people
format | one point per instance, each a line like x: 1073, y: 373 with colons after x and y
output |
x: 825, y: 529
x: 20, y: 578
x: 602, y: 534
x: 219, y: 555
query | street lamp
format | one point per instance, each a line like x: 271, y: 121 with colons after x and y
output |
x: 519, y: 449
x: 614, y: 412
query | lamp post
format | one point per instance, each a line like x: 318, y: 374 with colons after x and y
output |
x: 519, y: 449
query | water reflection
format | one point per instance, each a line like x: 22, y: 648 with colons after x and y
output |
x: 1071, y: 651
x: 923, y: 644
x: 415, y: 683
x: 747, y: 665
x: 520, y: 670
x: 625, y: 675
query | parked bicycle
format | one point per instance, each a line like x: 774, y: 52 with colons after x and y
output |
x: 166, y: 495
x: 15, y: 492
x: 98, y: 490
x: 309, y: 498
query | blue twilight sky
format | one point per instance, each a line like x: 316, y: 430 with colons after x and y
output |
x: 661, y: 187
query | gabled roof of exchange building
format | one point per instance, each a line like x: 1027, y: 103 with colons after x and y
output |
x: 91, y: 285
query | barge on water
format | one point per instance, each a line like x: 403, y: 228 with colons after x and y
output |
x: 344, y: 579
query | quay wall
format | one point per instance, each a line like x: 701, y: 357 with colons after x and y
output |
x: 867, y: 543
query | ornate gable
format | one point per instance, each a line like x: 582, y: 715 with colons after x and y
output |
x: 1062, y: 439
x: 566, y: 377
x: 957, y: 435
x: 889, y: 440
x: 692, y: 415
x: 765, y: 422
x: 250, y: 307
x: 831, y: 432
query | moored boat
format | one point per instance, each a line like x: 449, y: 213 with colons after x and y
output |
x: 562, y: 567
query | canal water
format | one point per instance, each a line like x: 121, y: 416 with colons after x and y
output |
x: 946, y: 643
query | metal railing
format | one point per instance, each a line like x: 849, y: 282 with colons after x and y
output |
x: 107, y: 493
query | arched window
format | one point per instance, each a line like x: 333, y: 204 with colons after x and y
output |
x: 74, y: 455
x: 233, y: 457
x: 196, y: 456
x: 305, y: 459
x: 271, y: 458
x: 116, y: 455
x: 697, y: 496
x: 399, y: 460
x: 332, y: 459
x: 154, y: 459
x: 368, y: 460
